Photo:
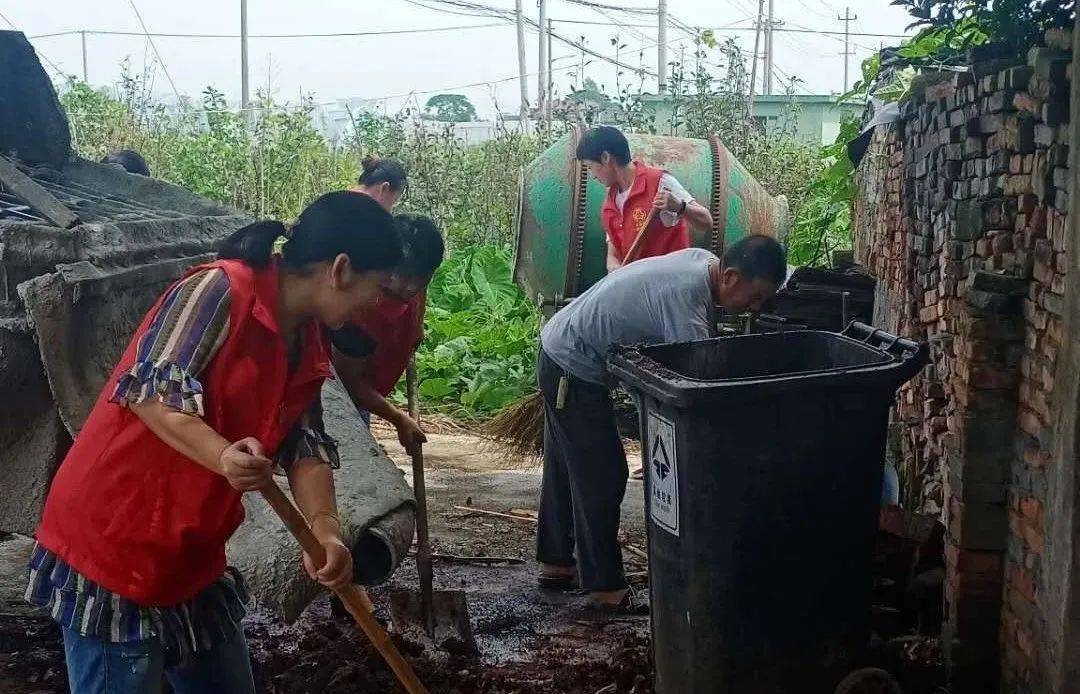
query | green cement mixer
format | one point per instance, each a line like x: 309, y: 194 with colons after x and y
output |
x: 560, y: 248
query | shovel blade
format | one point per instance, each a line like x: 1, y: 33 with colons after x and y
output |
x: 452, y: 630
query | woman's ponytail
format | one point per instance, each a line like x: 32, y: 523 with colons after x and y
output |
x: 253, y: 244
x: 334, y: 224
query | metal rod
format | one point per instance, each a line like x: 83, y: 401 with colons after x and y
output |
x: 768, y: 80
x: 523, y: 68
x: 661, y: 46
x: 542, y: 81
x: 550, y: 81
x: 847, y: 19
x: 85, y: 70
x: 245, y: 94
x: 423, y: 540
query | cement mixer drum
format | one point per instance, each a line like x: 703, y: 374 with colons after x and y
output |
x: 560, y: 247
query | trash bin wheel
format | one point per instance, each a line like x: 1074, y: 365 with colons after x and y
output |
x: 869, y: 680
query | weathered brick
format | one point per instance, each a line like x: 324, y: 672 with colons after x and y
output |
x: 1058, y: 156
x: 1055, y: 113
x: 1030, y: 423
x: 1000, y: 101
x: 1020, y: 581
x: 1048, y: 63
x: 1054, y: 303
x: 1045, y: 135
x: 1059, y: 39
x: 1036, y: 457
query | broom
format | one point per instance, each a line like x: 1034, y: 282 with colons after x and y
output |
x: 518, y: 429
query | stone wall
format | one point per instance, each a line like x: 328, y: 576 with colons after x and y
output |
x: 962, y: 217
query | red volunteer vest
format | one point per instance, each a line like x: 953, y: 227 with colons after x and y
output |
x: 623, y: 227
x: 395, y: 330
x: 130, y: 513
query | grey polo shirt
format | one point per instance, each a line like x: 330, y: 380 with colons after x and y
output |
x: 661, y: 299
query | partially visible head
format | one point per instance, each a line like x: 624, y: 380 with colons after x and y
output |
x: 750, y: 272
x: 424, y: 248
x: 604, y: 151
x: 344, y: 243
x: 385, y: 180
x: 129, y: 159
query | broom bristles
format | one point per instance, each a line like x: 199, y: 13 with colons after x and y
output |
x: 518, y: 428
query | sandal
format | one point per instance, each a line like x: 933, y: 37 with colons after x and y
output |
x: 634, y: 603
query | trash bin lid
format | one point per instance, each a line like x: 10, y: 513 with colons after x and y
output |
x: 764, y: 364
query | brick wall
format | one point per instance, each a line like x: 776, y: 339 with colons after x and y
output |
x: 962, y: 217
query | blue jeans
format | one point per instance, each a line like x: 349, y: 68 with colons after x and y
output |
x: 99, y: 667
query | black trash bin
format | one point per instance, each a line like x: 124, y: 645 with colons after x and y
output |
x: 764, y: 471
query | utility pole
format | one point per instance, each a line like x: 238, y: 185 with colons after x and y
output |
x: 542, y: 82
x: 757, y: 47
x: 847, y: 19
x: 85, y: 71
x: 522, y: 67
x: 661, y: 46
x: 768, y: 79
x: 245, y: 94
x: 550, y: 91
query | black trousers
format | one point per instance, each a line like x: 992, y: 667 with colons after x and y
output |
x: 584, y: 481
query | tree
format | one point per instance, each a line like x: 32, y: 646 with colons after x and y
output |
x: 451, y: 108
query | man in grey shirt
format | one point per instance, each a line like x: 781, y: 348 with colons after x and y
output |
x: 669, y: 298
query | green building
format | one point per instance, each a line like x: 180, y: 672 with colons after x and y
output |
x: 814, y: 118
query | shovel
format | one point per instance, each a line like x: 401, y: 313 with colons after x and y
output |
x: 353, y: 596
x: 443, y: 616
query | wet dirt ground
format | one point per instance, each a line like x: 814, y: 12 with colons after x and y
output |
x: 529, y: 640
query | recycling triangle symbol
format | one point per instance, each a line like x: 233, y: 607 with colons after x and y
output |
x: 660, y: 461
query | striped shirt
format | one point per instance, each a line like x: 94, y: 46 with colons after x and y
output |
x: 190, y: 327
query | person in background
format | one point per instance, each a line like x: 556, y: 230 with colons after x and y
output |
x: 220, y: 382
x: 129, y: 160
x: 664, y: 299
x: 634, y: 189
x: 371, y: 352
x: 384, y: 180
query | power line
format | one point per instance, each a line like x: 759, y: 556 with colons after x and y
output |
x: 614, y: 8
x: 164, y: 67
x: 334, y: 34
x: 43, y: 56
x: 392, y: 32
x: 509, y: 16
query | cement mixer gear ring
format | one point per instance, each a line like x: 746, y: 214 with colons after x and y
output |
x: 716, y: 207
x: 576, y: 251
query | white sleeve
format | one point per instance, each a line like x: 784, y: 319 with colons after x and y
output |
x: 670, y: 184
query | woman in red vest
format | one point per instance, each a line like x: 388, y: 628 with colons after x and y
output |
x: 634, y: 189
x: 372, y: 351
x: 384, y: 180
x: 220, y: 383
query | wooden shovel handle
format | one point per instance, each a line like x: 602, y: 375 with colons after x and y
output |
x: 639, y: 241
x: 354, y: 597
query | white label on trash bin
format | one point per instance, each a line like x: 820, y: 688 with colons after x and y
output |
x: 663, y: 474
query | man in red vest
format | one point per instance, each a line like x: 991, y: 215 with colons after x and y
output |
x: 634, y: 190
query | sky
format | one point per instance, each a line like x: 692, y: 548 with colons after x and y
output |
x: 472, y: 55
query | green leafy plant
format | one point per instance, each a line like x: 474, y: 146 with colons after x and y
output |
x: 822, y: 223
x: 480, y: 350
x: 957, y: 24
